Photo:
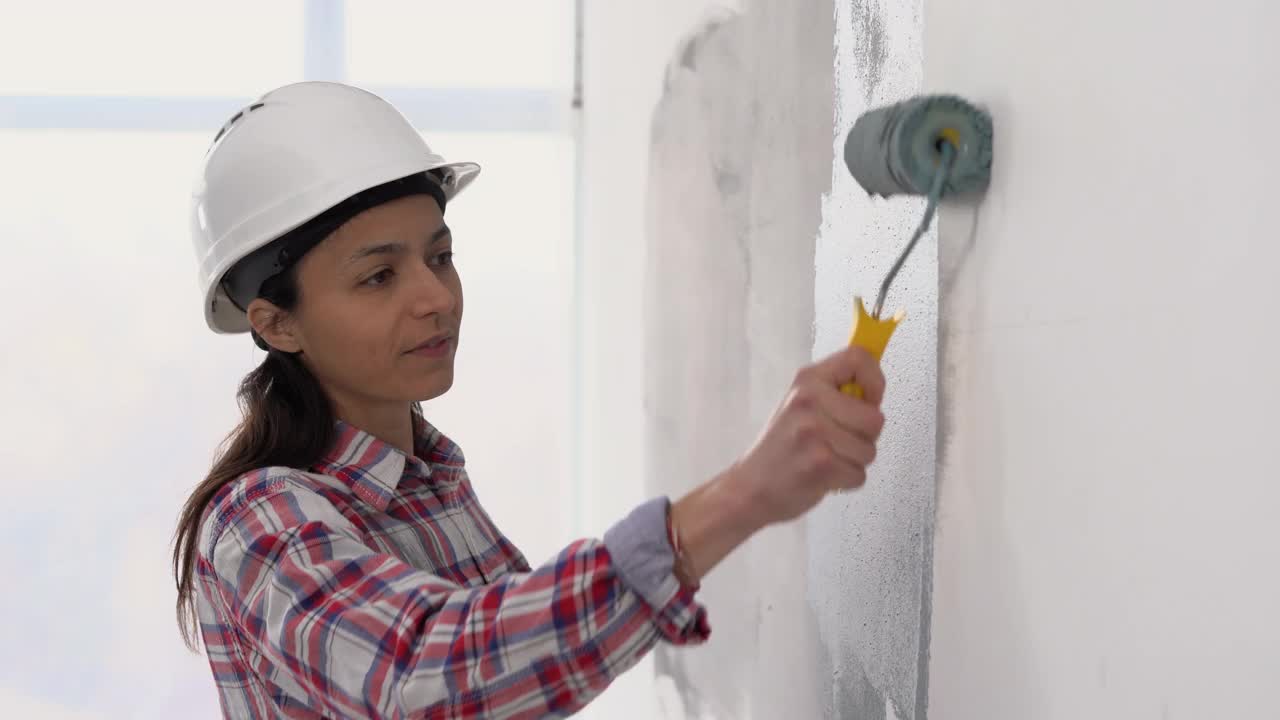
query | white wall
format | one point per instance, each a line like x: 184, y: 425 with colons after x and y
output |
x: 713, y: 191
x: 739, y: 160
x: 1106, y: 540
x: 626, y: 48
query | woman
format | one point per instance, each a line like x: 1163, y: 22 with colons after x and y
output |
x: 335, y: 560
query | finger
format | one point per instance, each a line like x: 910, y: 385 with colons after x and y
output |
x: 850, y: 477
x: 851, y: 453
x: 853, y: 364
x: 849, y: 447
x: 868, y: 375
x: 850, y: 414
x: 840, y: 448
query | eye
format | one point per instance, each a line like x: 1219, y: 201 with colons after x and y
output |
x: 444, y: 259
x: 382, y: 277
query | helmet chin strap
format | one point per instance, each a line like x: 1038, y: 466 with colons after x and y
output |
x: 257, y: 340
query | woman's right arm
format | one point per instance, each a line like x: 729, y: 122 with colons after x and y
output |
x: 361, y: 633
x: 819, y: 440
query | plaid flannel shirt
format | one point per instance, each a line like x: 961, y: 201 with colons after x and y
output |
x: 375, y: 585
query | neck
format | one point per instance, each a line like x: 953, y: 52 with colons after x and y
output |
x: 391, y: 423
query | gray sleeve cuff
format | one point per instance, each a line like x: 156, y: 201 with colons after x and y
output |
x: 639, y: 547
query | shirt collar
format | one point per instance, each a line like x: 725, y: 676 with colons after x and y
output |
x: 374, y: 469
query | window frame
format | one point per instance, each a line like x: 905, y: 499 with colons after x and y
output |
x: 510, y: 109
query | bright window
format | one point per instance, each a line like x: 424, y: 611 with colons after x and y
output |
x: 150, y: 47
x: 444, y: 43
x: 116, y: 394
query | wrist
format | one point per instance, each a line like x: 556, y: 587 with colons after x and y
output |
x: 710, y: 522
x: 742, y: 500
x: 681, y: 565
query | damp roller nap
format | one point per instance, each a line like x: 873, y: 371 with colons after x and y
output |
x: 931, y: 145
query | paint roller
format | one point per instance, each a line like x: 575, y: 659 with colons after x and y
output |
x: 932, y: 145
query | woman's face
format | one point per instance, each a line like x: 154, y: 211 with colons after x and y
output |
x: 380, y: 306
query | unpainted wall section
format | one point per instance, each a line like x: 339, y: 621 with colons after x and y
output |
x: 1106, y: 542
x: 735, y: 188
x: 626, y: 47
x: 756, y: 243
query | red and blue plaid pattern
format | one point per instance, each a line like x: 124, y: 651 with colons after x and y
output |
x: 375, y: 585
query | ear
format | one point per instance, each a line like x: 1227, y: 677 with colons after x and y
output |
x: 274, y: 326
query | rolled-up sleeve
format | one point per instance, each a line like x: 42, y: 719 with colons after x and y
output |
x: 359, y: 632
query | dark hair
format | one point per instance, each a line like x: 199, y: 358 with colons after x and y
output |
x: 287, y: 420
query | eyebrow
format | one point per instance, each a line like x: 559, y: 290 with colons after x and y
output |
x: 394, y: 248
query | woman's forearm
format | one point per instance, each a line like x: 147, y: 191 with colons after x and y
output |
x: 819, y: 440
x: 713, y: 519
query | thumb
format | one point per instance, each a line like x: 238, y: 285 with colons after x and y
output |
x: 853, y: 364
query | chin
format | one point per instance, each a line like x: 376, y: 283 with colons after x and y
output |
x: 432, y: 387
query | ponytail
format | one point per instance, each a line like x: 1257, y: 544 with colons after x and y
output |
x: 287, y: 420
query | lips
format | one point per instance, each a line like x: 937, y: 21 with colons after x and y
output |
x: 435, y: 346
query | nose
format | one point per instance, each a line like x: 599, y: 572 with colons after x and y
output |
x: 430, y: 296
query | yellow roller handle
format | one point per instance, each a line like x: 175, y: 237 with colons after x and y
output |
x: 871, y: 334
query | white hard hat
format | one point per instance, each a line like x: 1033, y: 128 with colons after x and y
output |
x: 293, y: 154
